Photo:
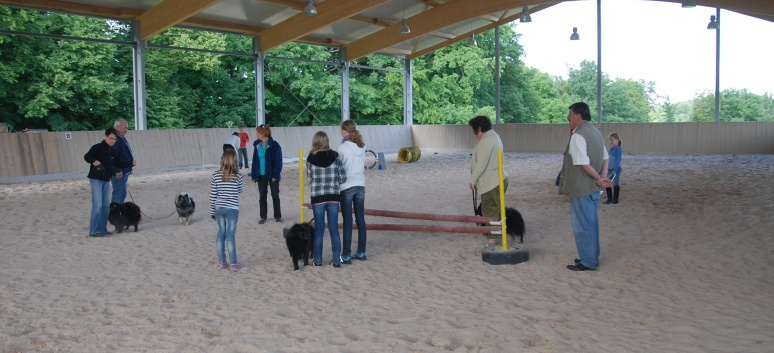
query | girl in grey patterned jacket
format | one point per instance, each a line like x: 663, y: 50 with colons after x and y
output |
x: 325, y: 173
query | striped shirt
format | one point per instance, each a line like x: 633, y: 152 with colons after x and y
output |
x: 224, y: 194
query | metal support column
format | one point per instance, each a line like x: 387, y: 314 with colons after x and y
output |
x: 344, y: 84
x: 497, y: 74
x: 408, y: 93
x: 138, y: 78
x: 258, y: 61
x: 599, y: 61
x: 717, y: 67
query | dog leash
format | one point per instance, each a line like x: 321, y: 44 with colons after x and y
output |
x: 475, y: 202
x: 143, y: 213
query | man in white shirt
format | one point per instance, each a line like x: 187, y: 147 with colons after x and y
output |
x: 582, y: 176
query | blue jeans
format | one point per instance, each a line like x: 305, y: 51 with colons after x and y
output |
x: 227, y: 223
x: 242, y: 160
x: 617, y: 179
x: 119, y: 188
x: 349, y: 197
x: 585, y: 226
x: 332, y: 209
x: 100, y: 206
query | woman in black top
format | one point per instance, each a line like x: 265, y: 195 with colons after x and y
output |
x: 103, y: 163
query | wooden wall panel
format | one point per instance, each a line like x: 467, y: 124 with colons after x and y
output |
x: 50, y: 153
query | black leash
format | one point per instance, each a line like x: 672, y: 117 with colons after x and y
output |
x: 475, y: 202
x: 143, y: 213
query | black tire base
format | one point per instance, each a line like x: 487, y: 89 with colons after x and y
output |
x: 511, y: 256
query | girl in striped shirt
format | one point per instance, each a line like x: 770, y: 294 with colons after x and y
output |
x: 225, y: 186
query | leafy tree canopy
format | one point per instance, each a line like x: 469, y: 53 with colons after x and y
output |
x: 77, y: 85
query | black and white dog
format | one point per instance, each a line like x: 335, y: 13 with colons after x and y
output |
x: 123, y: 215
x: 185, y: 206
x: 513, y: 221
x: 299, y: 238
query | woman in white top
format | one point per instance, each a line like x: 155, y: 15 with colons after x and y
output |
x: 352, y: 154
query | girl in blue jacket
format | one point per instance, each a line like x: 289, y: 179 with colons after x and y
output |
x: 614, y: 168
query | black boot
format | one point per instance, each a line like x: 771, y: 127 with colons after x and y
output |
x: 615, y: 194
x: 609, y: 192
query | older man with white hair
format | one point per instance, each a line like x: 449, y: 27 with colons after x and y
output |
x: 124, y: 153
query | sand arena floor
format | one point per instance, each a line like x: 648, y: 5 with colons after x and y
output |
x: 687, y: 265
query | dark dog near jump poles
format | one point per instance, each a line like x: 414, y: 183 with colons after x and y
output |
x: 123, y: 215
x: 513, y: 220
x: 299, y: 238
x: 514, y: 224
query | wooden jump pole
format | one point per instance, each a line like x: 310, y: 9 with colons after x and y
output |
x: 301, y: 182
x: 425, y: 228
x: 427, y: 216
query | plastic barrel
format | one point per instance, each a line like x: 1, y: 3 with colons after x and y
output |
x: 409, y: 154
x: 404, y: 154
x: 416, y: 153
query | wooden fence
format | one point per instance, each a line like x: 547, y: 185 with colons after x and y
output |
x: 639, y: 138
x: 53, y: 153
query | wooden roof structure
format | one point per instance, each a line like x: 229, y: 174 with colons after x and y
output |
x: 361, y: 27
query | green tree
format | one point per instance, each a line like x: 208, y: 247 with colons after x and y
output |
x: 62, y: 84
x: 626, y: 101
x: 518, y: 104
x: 582, y: 84
x: 669, y: 110
x: 301, y: 92
x: 553, y: 100
x: 623, y: 100
x: 735, y: 105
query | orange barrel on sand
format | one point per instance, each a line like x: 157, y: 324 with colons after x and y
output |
x: 409, y: 154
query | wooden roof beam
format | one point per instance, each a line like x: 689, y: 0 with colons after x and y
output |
x: 376, y: 21
x: 68, y: 7
x: 762, y: 9
x: 502, y: 21
x: 451, y: 12
x: 169, y: 13
x: 328, y: 12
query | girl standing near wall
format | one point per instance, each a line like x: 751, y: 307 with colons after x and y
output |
x: 614, y: 168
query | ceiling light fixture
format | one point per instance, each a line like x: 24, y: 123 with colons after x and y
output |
x: 713, y: 24
x: 574, y: 35
x: 404, y: 28
x: 472, y: 38
x: 525, y: 17
x: 310, y: 10
x: 689, y: 4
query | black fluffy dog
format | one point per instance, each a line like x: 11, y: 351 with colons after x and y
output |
x: 185, y: 206
x: 123, y: 215
x: 299, y: 239
x: 513, y: 221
